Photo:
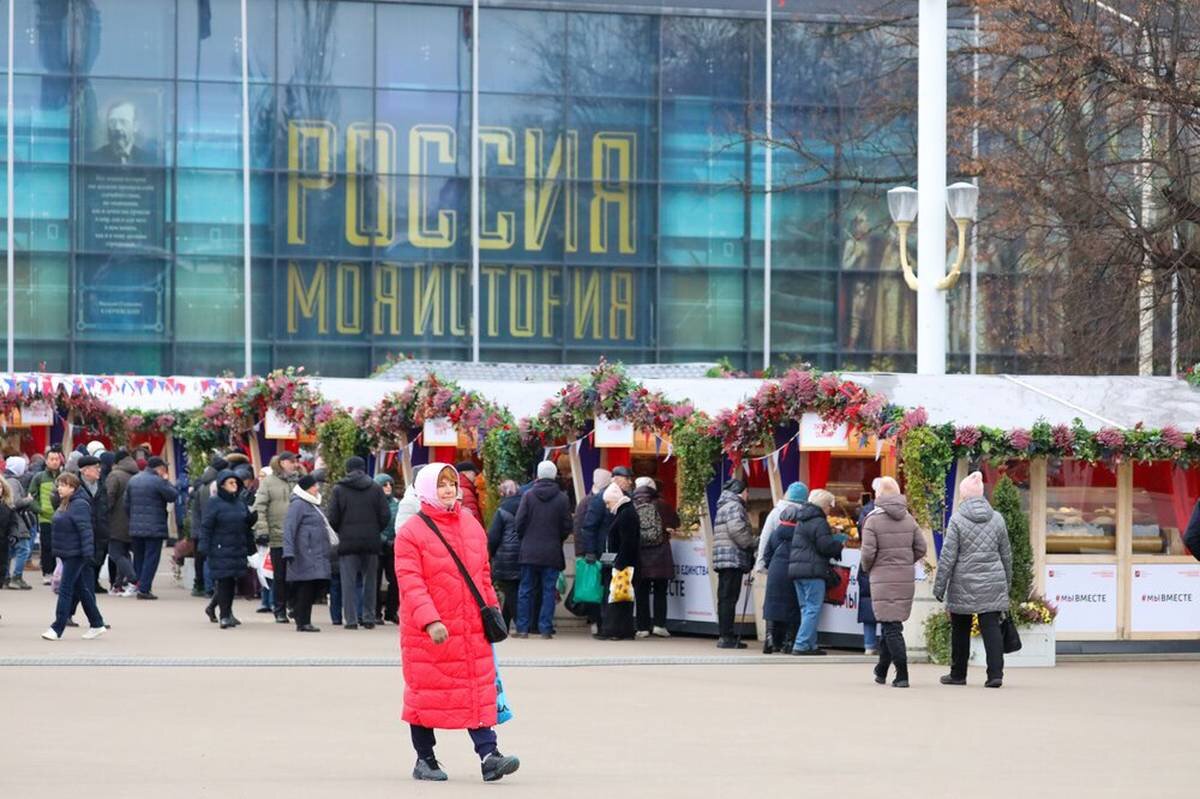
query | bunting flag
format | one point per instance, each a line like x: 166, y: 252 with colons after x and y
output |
x: 670, y: 451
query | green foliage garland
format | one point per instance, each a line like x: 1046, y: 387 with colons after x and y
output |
x: 925, y: 461
x: 697, y: 452
x: 937, y: 637
x: 340, y: 438
x: 505, y: 457
x: 1007, y: 502
x: 199, y: 438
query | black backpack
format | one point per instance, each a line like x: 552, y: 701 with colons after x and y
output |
x: 650, y: 525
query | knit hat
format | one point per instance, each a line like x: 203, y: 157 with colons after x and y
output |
x: 466, y: 466
x: 622, y: 471
x: 220, y: 464
x: 383, y: 478
x: 16, y: 464
x: 971, y: 486
x: 94, y: 448
x: 88, y: 460
x: 546, y: 470
x: 355, y: 464
x: 307, y: 482
x: 155, y: 462
x: 797, y: 492
x: 644, y: 482
x: 121, y: 454
x: 734, y: 485
x: 600, y: 480
x: 287, y: 455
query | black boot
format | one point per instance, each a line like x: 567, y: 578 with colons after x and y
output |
x: 901, y: 680
x: 881, y: 673
x: 496, y: 765
x: 768, y: 642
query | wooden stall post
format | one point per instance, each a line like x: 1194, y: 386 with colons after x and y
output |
x: 173, y: 526
x: 68, y: 442
x: 406, y: 467
x: 759, y: 585
x: 775, y: 478
x: 255, y: 453
x: 1124, y: 548
x: 576, y: 472
x: 1037, y: 522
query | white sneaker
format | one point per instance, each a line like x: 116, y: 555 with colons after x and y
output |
x: 130, y: 590
x: 94, y: 632
x: 45, y: 581
x: 50, y: 635
x: 661, y: 632
x: 595, y: 629
x: 642, y: 634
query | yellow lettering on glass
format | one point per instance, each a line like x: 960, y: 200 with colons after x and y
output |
x: 551, y: 299
x: 458, y: 289
x: 387, y: 300
x: 492, y: 275
x: 613, y: 168
x: 544, y: 184
x: 422, y: 231
x: 502, y: 235
x: 620, y: 304
x: 427, y: 300
x: 520, y: 302
x: 361, y: 230
x: 587, y: 304
x: 349, y: 299
x: 308, y: 300
x: 304, y: 176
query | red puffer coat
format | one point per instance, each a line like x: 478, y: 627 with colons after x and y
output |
x: 450, y: 685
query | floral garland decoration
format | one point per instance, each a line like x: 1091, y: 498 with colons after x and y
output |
x: 431, y: 397
x: 1192, y: 375
x: 139, y: 422
x: 82, y: 408
x: 284, y: 391
x: 1108, y: 444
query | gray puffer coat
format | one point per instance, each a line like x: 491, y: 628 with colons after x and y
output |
x: 734, y: 541
x: 975, y: 568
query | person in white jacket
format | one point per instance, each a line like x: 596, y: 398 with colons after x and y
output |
x: 797, y: 495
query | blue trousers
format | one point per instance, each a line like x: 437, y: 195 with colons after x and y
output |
x: 536, y: 578
x: 146, y: 554
x: 78, y: 583
x: 424, y: 740
x: 810, y: 593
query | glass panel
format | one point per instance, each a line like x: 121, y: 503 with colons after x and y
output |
x: 41, y: 356
x: 804, y: 232
x: 41, y: 124
x: 122, y: 296
x: 803, y: 312
x: 210, y: 359
x: 210, y: 212
x: 702, y: 141
x: 703, y: 226
x: 334, y: 300
x: 423, y: 47
x: 122, y: 208
x: 210, y: 125
x: 315, y: 129
x: 1081, y: 508
x: 210, y: 44
x: 42, y: 196
x: 326, y: 42
x: 41, y: 296
x: 425, y: 133
x: 613, y: 54
x: 522, y: 51
x: 208, y: 301
x: 431, y: 221
x: 133, y: 38
x: 702, y: 311
x: 128, y: 357
x: 710, y: 57
x: 1164, y: 496
x: 126, y: 123
x: 325, y: 360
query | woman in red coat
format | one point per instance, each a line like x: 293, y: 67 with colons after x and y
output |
x: 449, y: 671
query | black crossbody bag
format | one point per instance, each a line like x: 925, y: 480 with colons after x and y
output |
x: 494, y: 628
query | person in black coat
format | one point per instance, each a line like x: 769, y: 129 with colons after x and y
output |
x: 146, y: 500
x: 866, y: 609
x: 544, y: 522
x: 656, y: 564
x: 808, y: 566
x: 504, y: 548
x: 1192, y: 536
x: 357, y: 512
x: 780, y: 607
x: 75, y: 545
x: 92, y: 488
x: 624, y: 540
x: 226, y: 539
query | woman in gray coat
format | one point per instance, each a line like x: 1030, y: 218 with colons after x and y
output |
x: 973, y: 577
x: 306, y: 548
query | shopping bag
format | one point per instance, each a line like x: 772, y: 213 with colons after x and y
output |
x: 588, y: 587
x: 1012, y: 638
x: 56, y: 577
x: 620, y: 588
x: 835, y: 592
x: 503, y: 711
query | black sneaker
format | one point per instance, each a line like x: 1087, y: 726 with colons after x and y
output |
x: 281, y: 618
x: 880, y: 678
x: 993, y: 683
x: 263, y: 610
x: 350, y: 627
x: 496, y: 765
x: 950, y: 679
x: 899, y: 683
x: 808, y: 652
x: 99, y: 589
x: 146, y: 595
x: 429, y: 770
x: 368, y: 625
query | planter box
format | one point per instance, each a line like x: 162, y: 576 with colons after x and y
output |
x: 1037, y: 649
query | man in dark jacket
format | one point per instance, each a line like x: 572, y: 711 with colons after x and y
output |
x: 202, y: 492
x: 813, y: 544
x: 97, y: 497
x: 504, y: 548
x: 146, y: 500
x: 357, y: 512
x: 543, y: 523
x: 1192, y: 535
x: 119, y: 546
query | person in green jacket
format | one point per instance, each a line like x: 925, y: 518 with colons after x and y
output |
x: 41, y: 489
x: 386, y: 609
x: 271, y: 503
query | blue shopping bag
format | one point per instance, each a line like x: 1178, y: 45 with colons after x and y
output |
x: 503, y: 711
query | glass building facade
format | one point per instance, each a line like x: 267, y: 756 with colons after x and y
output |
x: 621, y: 190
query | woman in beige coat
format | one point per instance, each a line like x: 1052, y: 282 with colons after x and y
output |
x: 891, y: 544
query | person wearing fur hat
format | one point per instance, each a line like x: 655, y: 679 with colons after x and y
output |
x: 357, y: 512
x: 227, y: 539
x: 306, y: 545
x: 974, y: 576
x: 734, y: 545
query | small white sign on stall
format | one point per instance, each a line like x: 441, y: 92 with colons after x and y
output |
x: 689, y: 594
x: 1166, y: 598
x: 277, y: 426
x: 1086, y: 596
x: 613, y: 432
x: 439, y: 432
x: 815, y: 435
x: 37, y: 414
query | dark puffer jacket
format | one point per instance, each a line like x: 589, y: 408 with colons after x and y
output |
x: 780, y: 604
x: 72, y: 528
x: 357, y: 512
x: 812, y: 546
x: 625, y: 537
x: 656, y: 562
x: 543, y: 523
x: 1192, y: 535
x: 226, y: 538
x: 100, y: 531
x: 593, y: 527
x: 146, y: 500
x: 504, y: 545
x: 305, y: 541
x: 115, y: 486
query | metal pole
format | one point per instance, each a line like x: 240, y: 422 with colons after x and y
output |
x: 475, y: 181
x: 975, y: 227
x: 247, y: 278
x: 767, y: 186
x: 931, y: 184
x: 10, y: 193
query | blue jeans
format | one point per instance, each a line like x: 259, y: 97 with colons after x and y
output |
x: 335, y: 596
x: 146, y: 554
x: 810, y: 594
x: 78, y: 583
x: 536, y: 578
x: 870, y: 636
x: 20, y: 552
x: 267, y: 598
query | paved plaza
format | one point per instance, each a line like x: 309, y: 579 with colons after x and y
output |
x: 246, y: 713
